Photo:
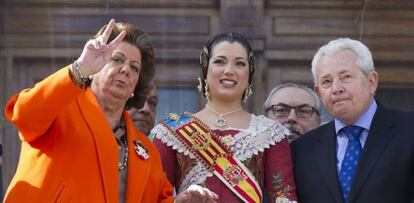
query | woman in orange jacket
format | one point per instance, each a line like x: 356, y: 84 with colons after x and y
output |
x: 78, y: 143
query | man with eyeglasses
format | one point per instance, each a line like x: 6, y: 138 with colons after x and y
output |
x: 295, y: 106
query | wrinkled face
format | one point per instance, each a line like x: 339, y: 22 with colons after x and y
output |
x: 144, y: 118
x: 228, y: 71
x: 343, y: 87
x: 118, y: 78
x: 296, y: 120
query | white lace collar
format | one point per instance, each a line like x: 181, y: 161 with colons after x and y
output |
x: 261, y: 133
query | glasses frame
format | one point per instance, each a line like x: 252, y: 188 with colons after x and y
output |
x: 274, y: 106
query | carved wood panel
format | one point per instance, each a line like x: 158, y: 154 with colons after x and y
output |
x: 36, y: 37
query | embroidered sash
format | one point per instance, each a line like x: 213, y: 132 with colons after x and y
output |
x: 205, y: 145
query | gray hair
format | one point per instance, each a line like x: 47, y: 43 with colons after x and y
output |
x: 267, y: 103
x: 364, y: 57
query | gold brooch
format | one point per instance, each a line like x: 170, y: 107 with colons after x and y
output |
x: 174, y: 116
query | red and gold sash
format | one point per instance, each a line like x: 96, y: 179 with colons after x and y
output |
x: 204, y: 144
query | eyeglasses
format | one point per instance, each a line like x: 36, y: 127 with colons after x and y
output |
x: 301, y: 111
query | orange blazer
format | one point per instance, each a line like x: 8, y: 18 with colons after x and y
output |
x: 69, y: 153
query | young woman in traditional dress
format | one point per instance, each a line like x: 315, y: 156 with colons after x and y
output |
x: 232, y: 152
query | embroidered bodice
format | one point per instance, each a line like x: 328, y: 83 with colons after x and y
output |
x: 247, y: 145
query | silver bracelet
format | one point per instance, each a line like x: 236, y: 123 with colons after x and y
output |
x: 76, y: 68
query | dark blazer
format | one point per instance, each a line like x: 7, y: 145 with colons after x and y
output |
x: 385, y: 172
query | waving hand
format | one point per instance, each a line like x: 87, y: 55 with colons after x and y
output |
x: 97, y: 52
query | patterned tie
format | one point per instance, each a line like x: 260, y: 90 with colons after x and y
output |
x: 351, y: 158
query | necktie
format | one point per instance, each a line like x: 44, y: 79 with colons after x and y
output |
x: 352, y: 153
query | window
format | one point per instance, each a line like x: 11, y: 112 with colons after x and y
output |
x: 176, y: 100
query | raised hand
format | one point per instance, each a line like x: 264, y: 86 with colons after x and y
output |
x: 97, y: 52
x: 197, y: 194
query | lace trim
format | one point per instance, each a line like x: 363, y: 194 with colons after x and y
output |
x: 164, y: 135
x: 284, y: 200
x: 197, y: 175
x: 261, y: 134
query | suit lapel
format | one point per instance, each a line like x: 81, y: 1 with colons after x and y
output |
x: 138, y: 168
x: 325, y: 154
x: 378, y: 138
x: 105, y: 144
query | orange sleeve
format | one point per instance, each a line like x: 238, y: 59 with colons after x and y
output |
x: 160, y: 185
x: 166, y: 189
x: 166, y: 194
x: 33, y: 110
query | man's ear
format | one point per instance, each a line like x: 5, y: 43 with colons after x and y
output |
x: 373, y: 79
x: 316, y: 89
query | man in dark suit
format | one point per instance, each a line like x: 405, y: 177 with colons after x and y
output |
x: 366, y: 154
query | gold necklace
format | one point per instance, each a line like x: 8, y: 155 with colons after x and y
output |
x: 120, y: 135
x: 220, y: 121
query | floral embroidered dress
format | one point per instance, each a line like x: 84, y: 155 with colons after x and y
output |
x: 262, y: 149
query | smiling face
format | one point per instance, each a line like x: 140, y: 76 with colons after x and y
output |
x: 228, y: 71
x: 118, y: 78
x: 344, y: 89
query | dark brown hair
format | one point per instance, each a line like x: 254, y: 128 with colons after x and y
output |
x: 139, y: 39
x: 231, y: 37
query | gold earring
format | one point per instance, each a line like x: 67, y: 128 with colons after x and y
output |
x: 206, y: 88
x: 199, y: 86
x: 247, y: 93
